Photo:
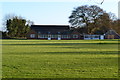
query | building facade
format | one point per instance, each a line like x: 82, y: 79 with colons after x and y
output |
x: 63, y: 32
x: 89, y: 37
x: 111, y: 34
x: 52, y: 32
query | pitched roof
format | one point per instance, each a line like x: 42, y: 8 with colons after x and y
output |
x: 54, y: 29
x: 49, y: 27
x: 110, y: 32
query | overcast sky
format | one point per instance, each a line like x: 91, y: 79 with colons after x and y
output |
x: 50, y: 11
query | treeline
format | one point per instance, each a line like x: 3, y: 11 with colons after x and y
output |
x: 85, y: 19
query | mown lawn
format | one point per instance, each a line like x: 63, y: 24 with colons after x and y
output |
x: 60, y: 58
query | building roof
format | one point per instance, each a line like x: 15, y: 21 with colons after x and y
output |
x: 51, y: 29
x: 110, y: 32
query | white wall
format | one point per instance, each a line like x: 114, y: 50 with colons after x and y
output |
x: 90, y: 37
x: 101, y: 36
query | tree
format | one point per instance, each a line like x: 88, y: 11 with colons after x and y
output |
x: 17, y: 27
x: 89, y: 17
x: 102, y: 24
x: 115, y: 25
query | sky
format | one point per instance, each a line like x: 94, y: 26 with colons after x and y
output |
x: 50, y: 12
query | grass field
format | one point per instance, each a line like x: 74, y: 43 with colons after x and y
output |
x: 60, y: 58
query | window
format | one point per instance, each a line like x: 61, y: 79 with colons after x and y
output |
x: 86, y: 36
x: 68, y: 36
x: 96, y: 36
x: 41, y: 36
x: 58, y: 32
x: 32, y: 35
x: 49, y: 36
x: 45, y: 36
x: 59, y: 36
x: 65, y: 36
x: 49, y: 32
x: 56, y: 36
x: 75, y: 36
x: 53, y: 36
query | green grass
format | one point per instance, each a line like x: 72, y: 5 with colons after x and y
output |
x: 60, y: 58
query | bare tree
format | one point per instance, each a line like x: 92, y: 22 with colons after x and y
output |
x: 84, y: 15
x: 92, y: 18
x: 102, y: 2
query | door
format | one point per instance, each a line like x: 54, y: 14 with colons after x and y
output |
x: 59, y: 37
x: 49, y: 37
x: 101, y: 37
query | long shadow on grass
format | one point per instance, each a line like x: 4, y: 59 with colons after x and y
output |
x: 83, y: 52
x: 66, y: 44
x: 59, y: 78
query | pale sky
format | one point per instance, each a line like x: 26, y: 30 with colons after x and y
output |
x: 50, y: 11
